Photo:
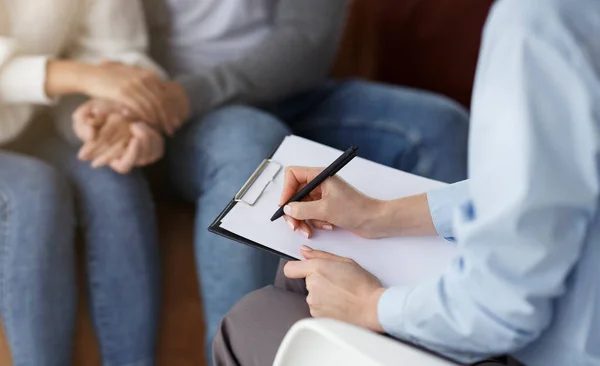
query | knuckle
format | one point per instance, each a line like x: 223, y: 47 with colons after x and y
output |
x: 310, y: 299
x: 318, y: 265
x: 315, y: 312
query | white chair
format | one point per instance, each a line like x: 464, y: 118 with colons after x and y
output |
x: 325, y: 342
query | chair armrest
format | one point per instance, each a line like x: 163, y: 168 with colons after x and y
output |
x: 320, y: 342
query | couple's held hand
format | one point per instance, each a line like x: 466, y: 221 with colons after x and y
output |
x: 111, y: 138
x: 141, y: 91
x: 338, y: 288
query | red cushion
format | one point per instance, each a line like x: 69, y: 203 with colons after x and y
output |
x: 432, y: 44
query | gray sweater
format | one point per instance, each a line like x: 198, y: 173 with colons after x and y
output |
x: 296, y: 54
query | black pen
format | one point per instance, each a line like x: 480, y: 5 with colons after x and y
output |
x: 330, y: 171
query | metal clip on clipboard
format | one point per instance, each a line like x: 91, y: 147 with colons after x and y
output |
x: 258, y: 182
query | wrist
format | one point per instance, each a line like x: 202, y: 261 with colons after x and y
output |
x: 374, y: 218
x: 372, y: 310
x: 66, y: 77
x: 408, y: 216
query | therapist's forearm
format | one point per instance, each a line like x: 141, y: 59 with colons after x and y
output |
x: 409, y: 216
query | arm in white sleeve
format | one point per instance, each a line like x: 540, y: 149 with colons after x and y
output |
x: 22, y: 78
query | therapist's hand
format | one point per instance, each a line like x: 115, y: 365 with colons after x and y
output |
x: 338, y: 288
x: 333, y: 203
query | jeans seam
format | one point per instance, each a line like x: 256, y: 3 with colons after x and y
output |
x: 5, y: 211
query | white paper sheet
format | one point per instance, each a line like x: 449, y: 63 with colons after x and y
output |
x: 395, y: 261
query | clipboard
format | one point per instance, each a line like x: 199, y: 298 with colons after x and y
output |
x: 239, y: 198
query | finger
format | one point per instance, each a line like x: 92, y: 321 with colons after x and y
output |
x: 143, y: 147
x: 109, y: 155
x: 314, y: 210
x: 292, y: 222
x: 305, y: 229
x: 294, y: 178
x: 83, y: 112
x: 158, y: 146
x: 155, y: 94
x: 83, y: 130
x: 88, y: 130
x: 310, y: 253
x: 148, y: 101
x: 126, y: 163
x: 91, y: 150
x: 322, y: 225
x: 138, y: 107
x: 150, y: 142
x: 108, y: 137
x: 298, y: 269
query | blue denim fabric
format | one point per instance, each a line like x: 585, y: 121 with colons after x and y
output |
x: 213, y: 156
x: 37, y: 264
x: 116, y: 215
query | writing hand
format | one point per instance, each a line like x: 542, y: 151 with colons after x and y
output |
x: 333, y: 203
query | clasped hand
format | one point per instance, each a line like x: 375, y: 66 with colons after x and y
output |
x: 121, y: 125
x: 111, y: 137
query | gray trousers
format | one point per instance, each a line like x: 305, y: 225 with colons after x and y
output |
x: 251, y: 332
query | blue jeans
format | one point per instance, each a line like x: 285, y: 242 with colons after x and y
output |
x: 213, y: 156
x: 44, y: 193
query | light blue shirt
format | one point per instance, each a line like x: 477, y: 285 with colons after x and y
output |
x: 527, y: 279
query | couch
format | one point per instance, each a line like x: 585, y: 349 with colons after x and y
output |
x: 428, y: 44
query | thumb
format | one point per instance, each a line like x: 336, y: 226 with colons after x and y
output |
x: 313, y: 210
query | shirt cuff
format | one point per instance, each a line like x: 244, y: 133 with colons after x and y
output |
x: 390, y: 310
x: 23, y: 80
x: 442, y: 203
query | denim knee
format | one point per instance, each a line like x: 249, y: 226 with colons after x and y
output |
x: 225, y: 145
x: 34, y: 192
x: 235, y: 132
x: 36, y: 260
x: 104, y: 194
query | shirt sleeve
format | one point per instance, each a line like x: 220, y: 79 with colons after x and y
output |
x: 298, y: 54
x: 533, y: 190
x: 22, y: 78
x: 443, y: 202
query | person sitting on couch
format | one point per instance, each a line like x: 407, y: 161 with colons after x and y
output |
x: 526, y: 281
x: 50, y: 49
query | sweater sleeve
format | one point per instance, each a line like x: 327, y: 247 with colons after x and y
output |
x: 22, y: 78
x: 298, y: 54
